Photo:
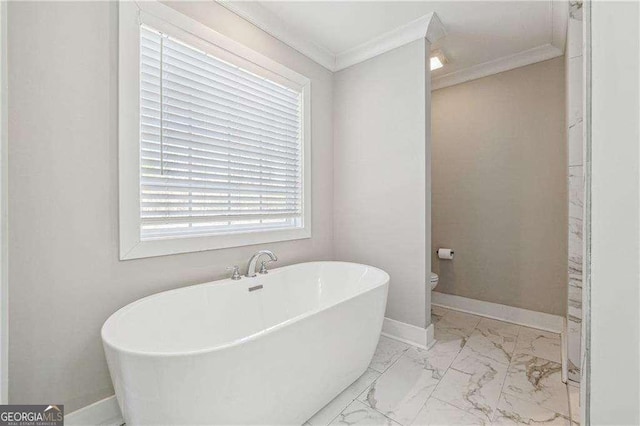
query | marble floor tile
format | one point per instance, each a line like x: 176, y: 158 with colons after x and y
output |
x: 358, y: 413
x: 473, y: 383
x: 387, y: 352
x: 441, y: 335
x: 340, y: 402
x: 459, y: 323
x: 439, y: 311
x: 514, y: 411
x: 541, y: 344
x: 491, y: 344
x: 479, y: 371
x: 539, y: 381
x: 403, y: 389
x: 492, y: 327
x: 574, y: 403
x: 439, y: 413
x: 437, y: 359
x: 455, y: 327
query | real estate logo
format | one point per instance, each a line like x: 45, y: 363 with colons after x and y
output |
x: 31, y: 415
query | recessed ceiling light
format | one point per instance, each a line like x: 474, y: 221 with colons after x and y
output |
x: 435, y: 63
x: 437, y: 60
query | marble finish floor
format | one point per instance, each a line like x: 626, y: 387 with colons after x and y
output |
x: 479, y: 372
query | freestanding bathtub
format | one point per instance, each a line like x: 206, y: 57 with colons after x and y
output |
x: 218, y: 353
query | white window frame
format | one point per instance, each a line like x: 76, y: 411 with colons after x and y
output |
x: 173, y: 23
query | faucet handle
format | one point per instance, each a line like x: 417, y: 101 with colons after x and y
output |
x: 263, y: 266
x: 236, y: 272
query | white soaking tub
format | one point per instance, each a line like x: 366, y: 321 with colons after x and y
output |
x: 217, y: 353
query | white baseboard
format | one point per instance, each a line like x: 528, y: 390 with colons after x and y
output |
x: 533, y: 319
x: 408, y: 333
x: 105, y: 412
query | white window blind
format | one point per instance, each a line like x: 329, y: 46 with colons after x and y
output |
x: 220, y: 147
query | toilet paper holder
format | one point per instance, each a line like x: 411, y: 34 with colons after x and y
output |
x: 452, y: 251
x: 445, y: 253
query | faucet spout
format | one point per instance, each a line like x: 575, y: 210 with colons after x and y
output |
x: 251, y: 269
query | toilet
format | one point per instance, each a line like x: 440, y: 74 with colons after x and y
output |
x: 434, y: 280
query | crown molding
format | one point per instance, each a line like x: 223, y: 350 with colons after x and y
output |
x: 271, y: 24
x: 521, y: 59
x: 428, y: 26
x: 435, y: 29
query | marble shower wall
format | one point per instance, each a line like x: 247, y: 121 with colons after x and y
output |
x: 575, y: 100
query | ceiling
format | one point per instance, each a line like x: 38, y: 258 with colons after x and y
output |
x: 478, y: 32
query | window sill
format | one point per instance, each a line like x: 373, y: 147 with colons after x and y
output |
x: 162, y: 247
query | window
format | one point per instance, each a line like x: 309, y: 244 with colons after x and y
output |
x: 220, y: 144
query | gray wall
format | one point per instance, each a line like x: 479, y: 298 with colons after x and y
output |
x: 499, y: 187
x: 380, y: 173
x: 64, y: 270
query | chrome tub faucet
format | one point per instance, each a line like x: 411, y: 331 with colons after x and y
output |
x: 251, y: 269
